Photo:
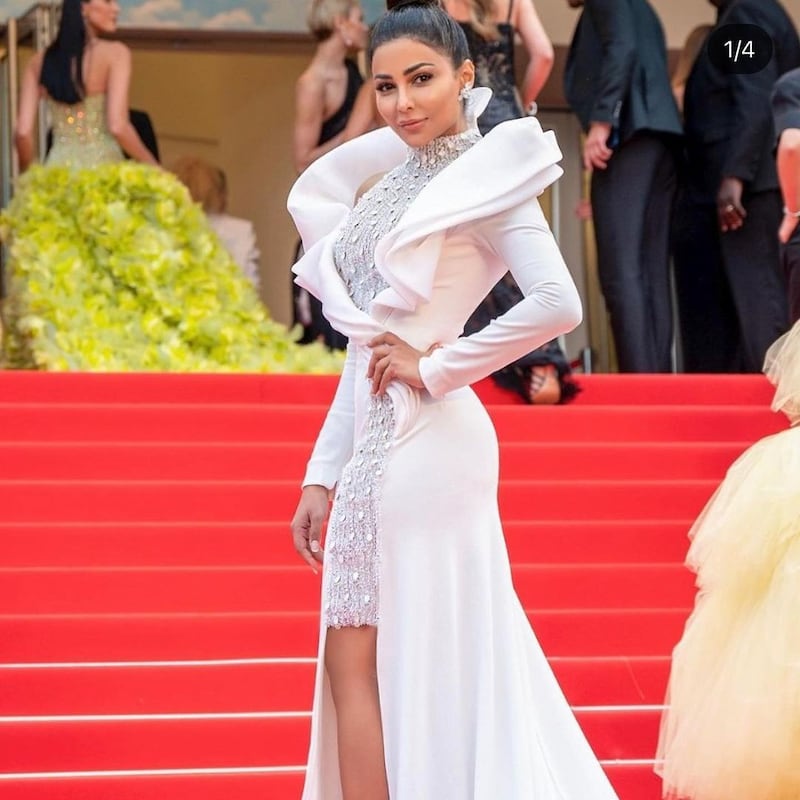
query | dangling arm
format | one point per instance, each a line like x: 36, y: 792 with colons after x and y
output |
x: 540, y: 51
x: 332, y: 450
x: 30, y: 94
x: 117, y: 112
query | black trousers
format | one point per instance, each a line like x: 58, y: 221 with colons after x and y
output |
x: 708, y: 324
x: 732, y: 295
x: 791, y: 270
x: 632, y: 202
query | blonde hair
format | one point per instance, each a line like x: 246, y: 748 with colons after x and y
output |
x: 686, y: 58
x: 480, y: 17
x: 206, y: 183
x: 323, y: 13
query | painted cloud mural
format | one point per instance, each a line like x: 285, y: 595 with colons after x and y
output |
x: 277, y: 15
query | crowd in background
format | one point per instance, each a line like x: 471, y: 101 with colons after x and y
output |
x: 693, y: 190
x: 684, y: 185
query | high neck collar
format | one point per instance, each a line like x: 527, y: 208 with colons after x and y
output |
x: 441, y: 151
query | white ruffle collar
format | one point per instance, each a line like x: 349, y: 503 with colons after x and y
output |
x: 513, y: 163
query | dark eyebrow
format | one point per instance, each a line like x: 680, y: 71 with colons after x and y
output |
x: 406, y: 71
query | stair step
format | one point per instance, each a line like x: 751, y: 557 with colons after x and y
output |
x: 278, y: 785
x: 61, y: 388
x: 634, y: 781
x: 269, y: 634
x: 292, y: 423
x: 285, y: 461
x: 598, y: 389
x: 48, y: 744
x: 622, y: 460
x: 145, y: 518
x: 278, y: 685
x: 132, y: 544
x: 254, y: 501
x: 246, y: 589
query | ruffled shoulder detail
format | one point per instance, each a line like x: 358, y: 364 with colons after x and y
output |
x: 511, y: 165
x: 324, y: 194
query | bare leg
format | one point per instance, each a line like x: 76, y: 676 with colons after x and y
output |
x: 352, y: 672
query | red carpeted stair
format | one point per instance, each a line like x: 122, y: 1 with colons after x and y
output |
x: 157, y: 633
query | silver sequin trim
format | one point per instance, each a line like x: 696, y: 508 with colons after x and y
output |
x: 352, y: 546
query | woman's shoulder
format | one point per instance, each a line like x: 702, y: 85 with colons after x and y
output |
x: 112, y: 50
x: 35, y: 64
x: 311, y: 80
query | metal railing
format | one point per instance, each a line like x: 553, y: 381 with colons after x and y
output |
x: 35, y: 29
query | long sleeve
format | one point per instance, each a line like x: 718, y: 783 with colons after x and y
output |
x: 752, y: 129
x: 614, y: 24
x: 522, y: 240
x: 334, y: 444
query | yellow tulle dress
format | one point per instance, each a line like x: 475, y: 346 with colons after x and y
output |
x: 731, y: 728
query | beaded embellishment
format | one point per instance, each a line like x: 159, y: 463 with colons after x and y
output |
x: 80, y: 134
x: 352, y: 554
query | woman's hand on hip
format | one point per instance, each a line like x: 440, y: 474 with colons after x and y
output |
x: 312, y: 510
x: 394, y: 360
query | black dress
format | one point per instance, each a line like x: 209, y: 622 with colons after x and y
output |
x: 494, y: 67
x: 307, y: 309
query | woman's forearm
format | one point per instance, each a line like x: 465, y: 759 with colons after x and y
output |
x: 25, y: 150
x: 789, y: 168
x: 539, y: 69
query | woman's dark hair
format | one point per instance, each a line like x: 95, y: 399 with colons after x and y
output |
x: 423, y: 21
x: 62, y: 68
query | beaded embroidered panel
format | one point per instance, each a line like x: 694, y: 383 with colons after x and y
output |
x: 352, y: 557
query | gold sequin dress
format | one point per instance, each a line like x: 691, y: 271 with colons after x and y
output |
x: 81, y: 137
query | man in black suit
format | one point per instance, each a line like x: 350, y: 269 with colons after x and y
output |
x: 732, y: 194
x: 786, y: 112
x: 616, y: 82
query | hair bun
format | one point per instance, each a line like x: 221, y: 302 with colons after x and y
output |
x: 393, y: 5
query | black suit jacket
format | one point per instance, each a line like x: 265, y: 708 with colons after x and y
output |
x: 729, y: 126
x: 786, y: 102
x: 617, y: 69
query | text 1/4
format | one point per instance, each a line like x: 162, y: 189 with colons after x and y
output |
x: 740, y: 49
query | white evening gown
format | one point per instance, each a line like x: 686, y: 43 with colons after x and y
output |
x: 470, y: 707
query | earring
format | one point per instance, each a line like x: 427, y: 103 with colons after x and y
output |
x: 465, y: 94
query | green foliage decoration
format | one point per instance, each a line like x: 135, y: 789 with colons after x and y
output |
x: 115, y: 269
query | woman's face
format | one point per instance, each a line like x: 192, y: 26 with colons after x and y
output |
x: 101, y: 15
x: 417, y: 90
x: 353, y: 29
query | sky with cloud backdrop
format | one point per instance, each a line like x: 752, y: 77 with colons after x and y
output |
x: 276, y: 15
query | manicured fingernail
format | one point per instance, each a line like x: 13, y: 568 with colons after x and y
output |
x: 314, y: 546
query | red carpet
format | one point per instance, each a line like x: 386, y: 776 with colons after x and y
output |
x: 157, y: 634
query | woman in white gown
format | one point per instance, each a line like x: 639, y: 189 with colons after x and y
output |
x: 431, y: 684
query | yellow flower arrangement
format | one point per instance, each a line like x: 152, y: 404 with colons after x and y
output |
x: 116, y: 269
